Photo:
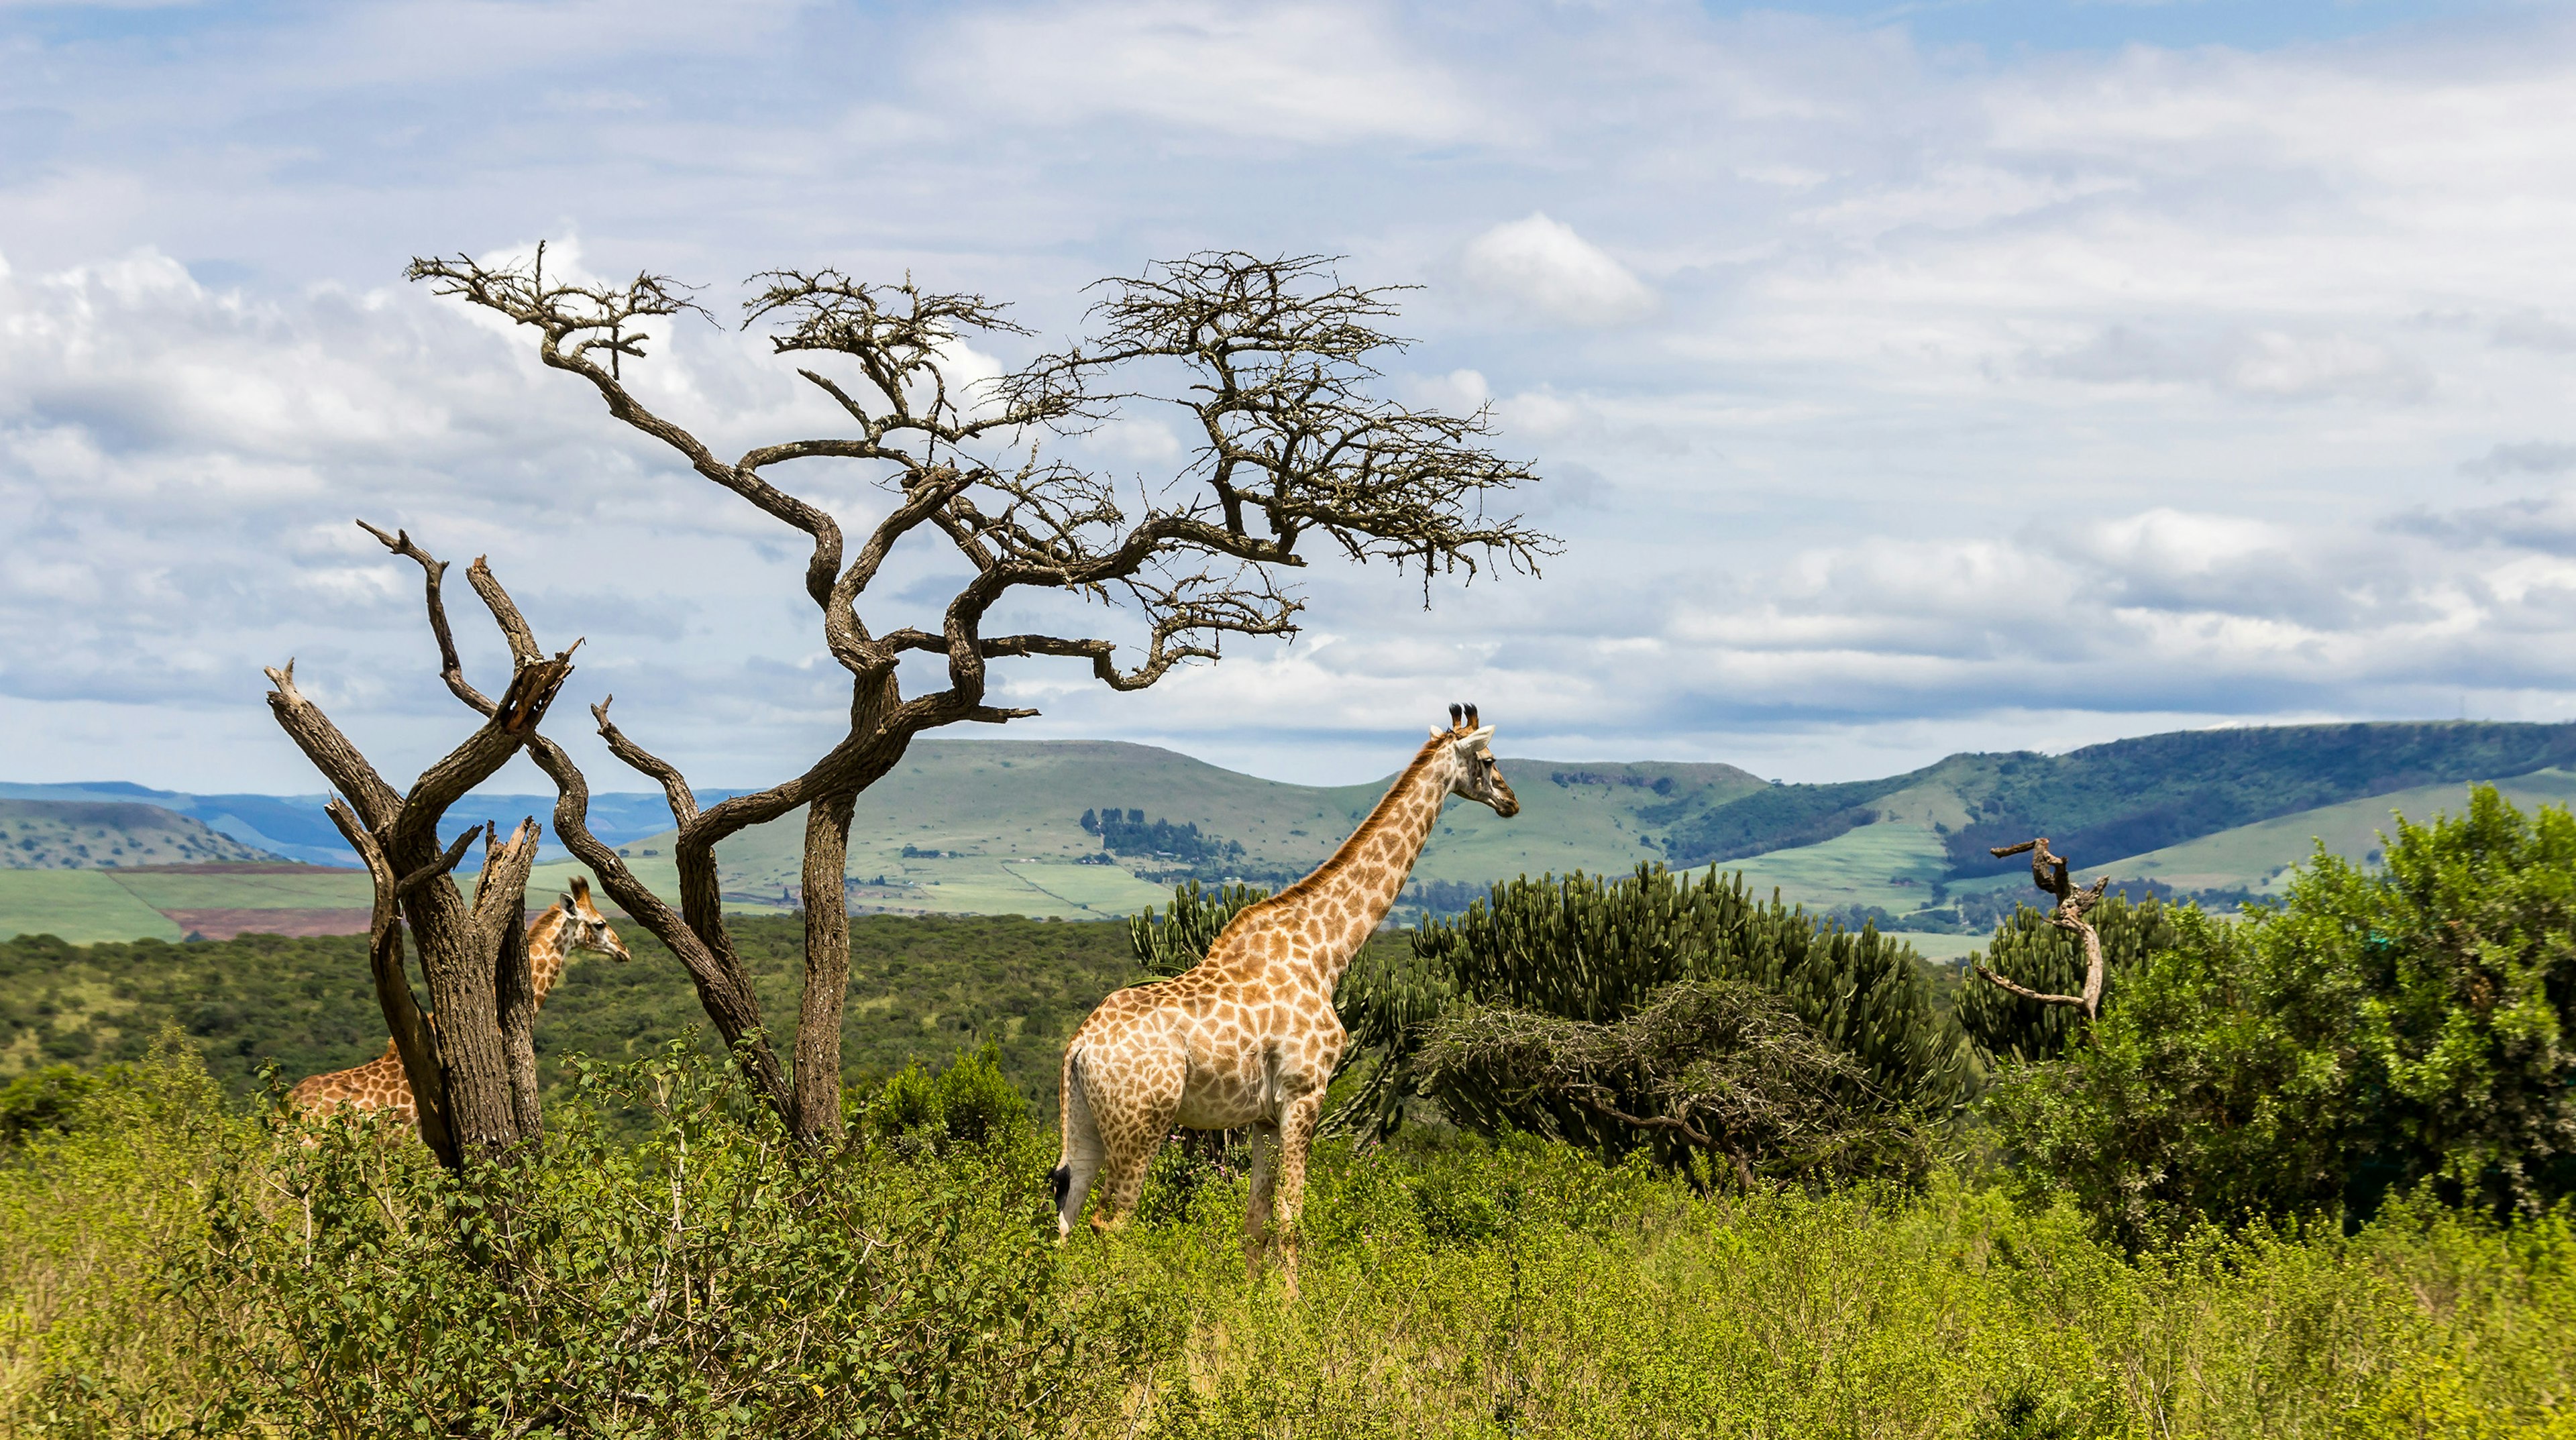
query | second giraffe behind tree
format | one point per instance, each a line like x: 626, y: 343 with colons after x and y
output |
x: 572, y: 925
x: 1249, y: 1036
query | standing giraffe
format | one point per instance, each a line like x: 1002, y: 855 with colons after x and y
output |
x: 1248, y: 1036
x: 571, y: 924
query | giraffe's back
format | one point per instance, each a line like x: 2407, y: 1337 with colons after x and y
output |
x: 380, y: 1084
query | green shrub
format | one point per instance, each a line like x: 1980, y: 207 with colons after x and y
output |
x: 2375, y: 1032
x: 2028, y: 949
x: 1587, y: 949
x: 1710, y: 1078
x: 47, y: 1101
x: 708, y: 1281
x: 692, y: 1280
x: 970, y: 1103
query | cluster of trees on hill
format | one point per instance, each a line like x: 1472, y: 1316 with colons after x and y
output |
x: 1128, y: 832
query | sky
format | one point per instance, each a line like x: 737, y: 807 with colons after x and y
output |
x: 1904, y: 379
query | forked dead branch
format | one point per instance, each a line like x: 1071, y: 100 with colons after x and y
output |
x: 2048, y: 872
x: 1265, y: 361
x: 470, y: 1055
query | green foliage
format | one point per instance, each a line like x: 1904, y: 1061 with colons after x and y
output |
x: 92, y: 1207
x: 2215, y: 1089
x: 2377, y: 1032
x: 1180, y: 939
x: 47, y: 1101
x: 706, y: 1281
x: 918, y: 986
x: 688, y: 1281
x: 1593, y: 950
x: 2028, y: 949
x: 1520, y: 1289
x: 970, y: 1103
x: 1707, y: 1075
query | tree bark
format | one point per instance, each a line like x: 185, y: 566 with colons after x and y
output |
x: 827, y: 968
x: 2048, y: 872
x: 500, y: 910
x: 471, y: 1092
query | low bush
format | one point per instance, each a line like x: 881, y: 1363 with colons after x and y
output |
x: 2375, y: 1032
x: 970, y: 1103
x: 172, y: 1270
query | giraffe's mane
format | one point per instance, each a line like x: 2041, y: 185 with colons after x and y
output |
x: 1343, y: 854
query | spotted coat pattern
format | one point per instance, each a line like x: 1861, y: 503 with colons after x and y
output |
x: 572, y: 924
x: 1248, y: 1037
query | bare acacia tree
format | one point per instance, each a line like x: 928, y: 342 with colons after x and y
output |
x: 2048, y: 872
x: 1267, y: 359
x: 471, y: 1054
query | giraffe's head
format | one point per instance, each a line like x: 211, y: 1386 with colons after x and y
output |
x: 584, y: 928
x: 1469, y: 757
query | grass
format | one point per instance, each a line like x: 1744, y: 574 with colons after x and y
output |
x: 81, y: 906
x: 1450, y: 1288
x: 321, y: 890
x: 1858, y: 867
x: 1095, y: 890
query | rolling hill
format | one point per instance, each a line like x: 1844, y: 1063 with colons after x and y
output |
x: 996, y: 826
x: 109, y: 834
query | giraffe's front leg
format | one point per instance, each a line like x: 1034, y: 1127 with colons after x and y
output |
x: 1256, y: 1216
x: 1296, y: 1139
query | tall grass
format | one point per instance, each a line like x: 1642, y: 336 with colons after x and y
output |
x: 156, y: 1278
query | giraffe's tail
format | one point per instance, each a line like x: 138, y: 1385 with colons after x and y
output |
x: 1079, y: 1159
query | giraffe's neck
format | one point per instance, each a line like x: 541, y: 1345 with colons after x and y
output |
x: 547, y: 953
x: 1365, y: 876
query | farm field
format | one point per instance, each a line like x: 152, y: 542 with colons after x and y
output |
x: 79, y: 905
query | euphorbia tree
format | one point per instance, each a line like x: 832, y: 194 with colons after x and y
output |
x: 1267, y: 363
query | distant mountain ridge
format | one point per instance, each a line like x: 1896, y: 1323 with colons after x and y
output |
x: 2125, y: 797
x: 996, y: 827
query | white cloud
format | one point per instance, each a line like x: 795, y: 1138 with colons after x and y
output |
x: 1540, y: 265
x: 2008, y: 399
x: 1317, y: 74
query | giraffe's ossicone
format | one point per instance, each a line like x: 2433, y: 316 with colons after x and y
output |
x: 571, y: 926
x: 1249, y: 1037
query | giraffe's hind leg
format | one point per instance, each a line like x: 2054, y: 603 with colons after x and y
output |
x: 1132, y: 1114
x: 1256, y: 1214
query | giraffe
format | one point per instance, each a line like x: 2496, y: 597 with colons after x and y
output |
x: 1249, y: 1036
x: 571, y: 923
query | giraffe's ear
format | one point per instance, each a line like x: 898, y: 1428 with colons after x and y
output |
x: 570, y: 906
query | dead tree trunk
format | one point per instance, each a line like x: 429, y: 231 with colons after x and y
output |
x: 469, y: 1053
x: 2048, y: 872
x: 1272, y: 357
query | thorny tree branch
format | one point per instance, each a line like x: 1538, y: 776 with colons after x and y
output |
x: 2048, y: 872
